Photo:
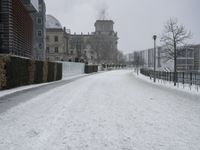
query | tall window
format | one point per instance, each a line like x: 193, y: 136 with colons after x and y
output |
x: 39, y: 33
x: 56, y: 49
x: 40, y: 8
x: 56, y: 38
x: 39, y: 20
x: 47, y: 38
x: 40, y: 45
x: 47, y: 49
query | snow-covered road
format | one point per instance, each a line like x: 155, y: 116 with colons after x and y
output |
x: 107, y: 111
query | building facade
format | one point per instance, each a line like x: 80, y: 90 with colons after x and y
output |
x: 105, y: 42
x: 39, y: 32
x: 80, y: 49
x: 56, y: 40
x: 96, y: 47
x: 188, y: 59
x: 16, y: 27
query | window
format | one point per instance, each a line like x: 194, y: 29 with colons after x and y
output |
x: 39, y: 33
x: 190, y: 53
x: 47, y: 49
x: 39, y: 20
x: 40, y: 8
x: 56, y: 38
x: 190, y: 61
x: 40, y: 45
x: 47, y: 38
x: 71, y: 52
x: 56, y: 49
x: 181, y: 61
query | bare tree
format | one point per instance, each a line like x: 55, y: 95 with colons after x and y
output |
x: 138, y: 61
x: 173, y: 36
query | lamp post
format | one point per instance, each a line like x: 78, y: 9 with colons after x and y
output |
x: 154, y: 73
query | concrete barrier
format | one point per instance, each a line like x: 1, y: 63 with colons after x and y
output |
x: 72, y: 68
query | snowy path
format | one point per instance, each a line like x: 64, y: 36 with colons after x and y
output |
x: 107, y: 111
x: 13, y: 97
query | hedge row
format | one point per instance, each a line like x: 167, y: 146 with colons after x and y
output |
x: 91, y: 68
x: 16, y: 71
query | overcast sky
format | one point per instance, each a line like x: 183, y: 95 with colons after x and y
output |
x: 135, y: 20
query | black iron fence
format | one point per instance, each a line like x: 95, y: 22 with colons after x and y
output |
x: 191, y: 78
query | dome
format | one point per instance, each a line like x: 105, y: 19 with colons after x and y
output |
x: 52, y: 22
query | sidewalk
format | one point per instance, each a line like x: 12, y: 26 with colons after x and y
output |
x: 28, y: 87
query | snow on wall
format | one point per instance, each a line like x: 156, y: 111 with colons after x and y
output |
x: 72, y: 68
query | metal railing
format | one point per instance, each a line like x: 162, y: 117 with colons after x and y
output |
x: 190, y: 78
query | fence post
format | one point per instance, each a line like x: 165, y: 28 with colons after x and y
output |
x: 195, y: 79
x: 191, y: 78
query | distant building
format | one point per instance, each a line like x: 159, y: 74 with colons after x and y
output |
x: 98, y: 47
x: 105, y: 42
x: 56, y: 40
x: 196, y: 57
x: 80, y: 49
x: 185, y: 59
x: 188, y: 59
x: 16, y: 27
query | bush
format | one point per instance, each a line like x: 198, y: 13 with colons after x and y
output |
x: 38, y: 77
x: 3, y: 60
x: 91, y: 68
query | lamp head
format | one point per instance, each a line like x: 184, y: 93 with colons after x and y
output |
x: 155, y: 37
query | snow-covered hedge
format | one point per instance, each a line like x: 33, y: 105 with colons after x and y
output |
x: 16, y: 71
x: 91, y: 68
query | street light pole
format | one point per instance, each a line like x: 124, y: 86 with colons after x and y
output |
x: 154, y: 37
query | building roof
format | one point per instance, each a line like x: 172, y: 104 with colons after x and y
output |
x: 52, y: 22
x: 104, y: 21
x: 31, y: 5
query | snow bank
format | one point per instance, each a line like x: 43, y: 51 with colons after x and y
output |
x: 180, y: 87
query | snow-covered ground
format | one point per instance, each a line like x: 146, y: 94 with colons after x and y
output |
x: 18, y: 89
x: 108, y: 111
x: 194, y: 89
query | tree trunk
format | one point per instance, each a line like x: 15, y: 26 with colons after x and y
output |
x: 175, y: 59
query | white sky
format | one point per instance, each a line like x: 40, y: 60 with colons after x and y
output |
x: 135, y: 20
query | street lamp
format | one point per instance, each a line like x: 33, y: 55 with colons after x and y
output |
x: 154, y: 73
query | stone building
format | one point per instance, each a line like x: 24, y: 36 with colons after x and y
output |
x: 98, y: 47
x: 80, y: 49
x: 105, y: 42
x: 56, y: 40
x: 39, y: 33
